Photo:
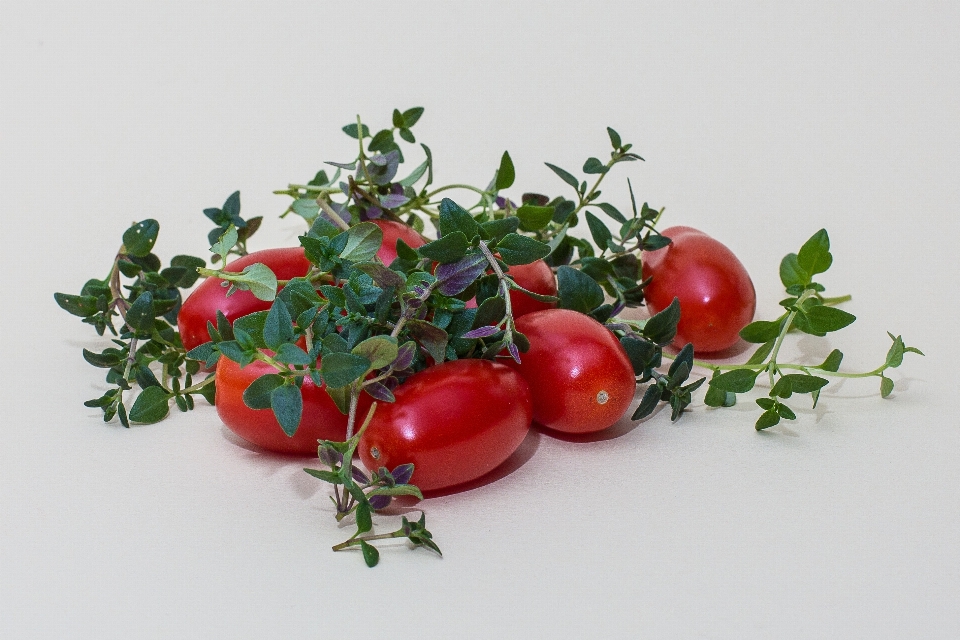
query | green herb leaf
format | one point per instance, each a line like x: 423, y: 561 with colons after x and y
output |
x: 82, y: 306
x: 380, y: 351
x: 449, y: 248
x: 791, y: 273
x: 370, y: 554
x: 615, y: 141
x: 533, y: 217
x: 258, y: 394
x: 648, y: 403
x: 152, y: 405
x: 140, y: 315
x: 341, y: 369
x: 886, y: 386
x: 661, y: 328
x: 735, y: 381
x: 565, y: 176
x: 577, y: 290
x: 767, y: 419
x: 599, y: 231
x: 278, y: 328
x: 454, y: 218
x: 287, y: 404
x: 139, y: 239
x: 363, y: 242
x: 832, y: 363
x: 814, y: 256
x: 593, y: 165
x: 506, y: 173
x: 792, y: 383
x: 761, y: 331
x: 824, y: 319
x: 515, y: 249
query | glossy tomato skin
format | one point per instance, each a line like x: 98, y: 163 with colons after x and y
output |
x: 392, y: 231
x: 209, y: 296
x: 321, y: 419
x: 580, y: 378
x: 717, y: 297
x: 537, y: 277
x: 455, y: 422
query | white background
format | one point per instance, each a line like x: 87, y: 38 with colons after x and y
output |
x: 760, y: 123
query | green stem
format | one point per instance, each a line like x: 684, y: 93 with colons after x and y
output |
x: 467, y: 187
x: 353, y: 542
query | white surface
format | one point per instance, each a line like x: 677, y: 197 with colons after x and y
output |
x: 760, y: 123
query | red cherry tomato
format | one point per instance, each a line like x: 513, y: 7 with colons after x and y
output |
x: 455, y: 422
x: 321, y: 419
x: 716, y: 294
x: 537, y: 277
x: 580, y: 378
x: 393, y: 231
x: 209, y: 296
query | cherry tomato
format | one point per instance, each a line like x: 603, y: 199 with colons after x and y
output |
x: 717, y: 297
x: 580, y: 378
x: 393, y: 231
x: 537, y: 277
x: 321, y: 417
x: 455, y: 422
x: 209, y: 296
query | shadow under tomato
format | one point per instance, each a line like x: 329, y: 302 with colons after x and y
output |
x: 263, y: 454
x: 516, y: 460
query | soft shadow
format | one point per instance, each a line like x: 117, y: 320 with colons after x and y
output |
x: 516, y: 460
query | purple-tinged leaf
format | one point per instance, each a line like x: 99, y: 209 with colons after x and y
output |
x: 359, y: 475
x: 455, y: 277
x: 379, y: 392
x: 379, y: 502
x: 330, y: 457
x: 514, y: 352
x: 482, y: 332
x: 372, y: 213
x: 405, y: 355
x: 392, y: 200
x: 402, y: 473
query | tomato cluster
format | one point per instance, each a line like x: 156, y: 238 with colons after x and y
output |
x: 460, y: 419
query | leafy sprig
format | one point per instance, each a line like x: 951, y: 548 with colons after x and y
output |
x: 361, y: 495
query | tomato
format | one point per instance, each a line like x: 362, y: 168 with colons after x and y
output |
x: 209, y: 296
x: 393, y: 231
x: 717, y: 297
x: 455, y: 422
x: 580, y: 378
x: 321, y: 419
x: 537, y: 277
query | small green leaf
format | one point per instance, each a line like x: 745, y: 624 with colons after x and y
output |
x: 615, y: 141
x: 785, y: 412
x: 736, y: 380
x: 895, y: 353
x: 649, y: 402
x: 824, y: 319
x: 832, y: 363
x: 715, y: 397
x: 287, y: 404
x: 260, y: 281
x: 225, y: 243
x: 791, y: 273
x: 454, y: 218
x: 761, y: 331
x: 533, y: 217
x: 886, y: 386
x: 139, y: 239
x: 257, y: 395
x: 661, y: 328
x: 289, y: 353
x: 152, y: 405
x: 516, y: 249
x: 364, y: 517
x: 370, y: 554
x: 814, y: 256
x: 140, y: 315
x: 326, y: 476
x: 432, y: 338
x: 577, y: 290
x: 449, y: 248
x: 411, y: 116
x: 82, y: 306
x: 593, y: 165
x: 278, y: 328
x: 613, y: 212
x: 341, y: 369
x: 380, y: 351
x: 506, y: 173
x: 306, y: 208
x: 565, y: 176
x: 767, y: 419
x: 761, y: 353
x: 363, y: 242
x: 599, y: 231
